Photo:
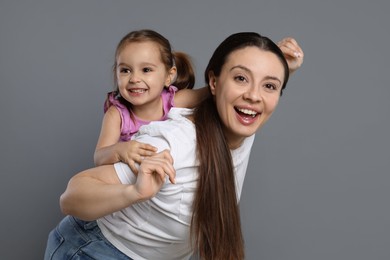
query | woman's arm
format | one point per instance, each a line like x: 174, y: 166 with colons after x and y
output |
x: 97, y: 192
x: 189, y: 98
x: 109, y: 150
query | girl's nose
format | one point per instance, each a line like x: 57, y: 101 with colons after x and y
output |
x: 134, y: 78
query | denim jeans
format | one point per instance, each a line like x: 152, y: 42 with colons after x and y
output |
x: 80, y: 240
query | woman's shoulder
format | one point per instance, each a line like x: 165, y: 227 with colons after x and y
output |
x: 180, y: 113
x: 176, y: 127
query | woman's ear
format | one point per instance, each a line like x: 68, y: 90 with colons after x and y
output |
x: 212, y: 82
x: 172, y: 76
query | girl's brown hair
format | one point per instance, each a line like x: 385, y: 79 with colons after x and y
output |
x: 215, y: 226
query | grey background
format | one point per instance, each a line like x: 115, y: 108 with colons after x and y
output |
x: 318, y: 181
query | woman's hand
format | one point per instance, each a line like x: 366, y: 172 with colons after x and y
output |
x: 292, y: 52
x: 152, y: 174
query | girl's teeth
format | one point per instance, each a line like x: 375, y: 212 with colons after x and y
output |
x: 137, y: 90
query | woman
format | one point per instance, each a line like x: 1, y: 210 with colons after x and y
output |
x: 147, y: 217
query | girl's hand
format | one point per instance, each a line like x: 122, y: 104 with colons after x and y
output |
x: 132, y: 152
x: 152, y: 174
x: 292, y: 52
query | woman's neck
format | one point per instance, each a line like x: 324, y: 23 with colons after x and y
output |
x: 233, y: 141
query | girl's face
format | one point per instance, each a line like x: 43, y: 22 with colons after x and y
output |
x: 141, y: 76
x: 247, y: 91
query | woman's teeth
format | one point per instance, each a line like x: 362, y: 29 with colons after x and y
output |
x: 247, y: 112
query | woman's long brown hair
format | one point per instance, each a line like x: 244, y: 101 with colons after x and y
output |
x: 215, y: 226
x: 216, y: 219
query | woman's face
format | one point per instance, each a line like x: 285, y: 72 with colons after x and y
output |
x: 247, y: 91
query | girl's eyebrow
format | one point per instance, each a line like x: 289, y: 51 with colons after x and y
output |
x: 145, y: 64
x: 148, y: 64
x: 123, y: 64
x: 249, y: 71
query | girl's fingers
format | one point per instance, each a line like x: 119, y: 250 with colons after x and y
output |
x: 143, y: 152
x: 288, y: 51
x: 291, y: 47
x: 147, y: 147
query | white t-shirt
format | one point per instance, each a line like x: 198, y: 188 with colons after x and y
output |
x: 159, y: 228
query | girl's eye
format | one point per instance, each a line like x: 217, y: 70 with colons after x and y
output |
x: 124, y: 70
x: 146, y: 70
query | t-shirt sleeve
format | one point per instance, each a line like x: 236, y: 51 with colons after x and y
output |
x: 168, y: 96
x: 125, y: 174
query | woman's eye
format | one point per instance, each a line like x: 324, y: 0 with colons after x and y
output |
x: 270, y: 86
x: 240, y: 78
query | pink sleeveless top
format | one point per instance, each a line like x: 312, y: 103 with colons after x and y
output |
x: 129, y: 126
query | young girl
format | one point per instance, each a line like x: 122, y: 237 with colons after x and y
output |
x: 147, y: 76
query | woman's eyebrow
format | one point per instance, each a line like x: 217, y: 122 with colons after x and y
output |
x: 249, y: 71
x: 273, y: 78
x: 240, y: 67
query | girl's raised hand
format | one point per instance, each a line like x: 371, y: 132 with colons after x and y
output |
x: 292, y: 52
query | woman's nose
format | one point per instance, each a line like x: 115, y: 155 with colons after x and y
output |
x: 253, y: 94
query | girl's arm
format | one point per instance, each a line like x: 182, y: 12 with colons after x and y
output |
x: 190, y: 98
x: 292, y: 52
x: 109, y: 150
x: 97, y: 192
x: 106, y: 147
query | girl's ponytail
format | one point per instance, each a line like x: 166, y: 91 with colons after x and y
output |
x: 185, y: 72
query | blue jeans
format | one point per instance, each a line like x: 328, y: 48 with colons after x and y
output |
x: 80, y: 240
